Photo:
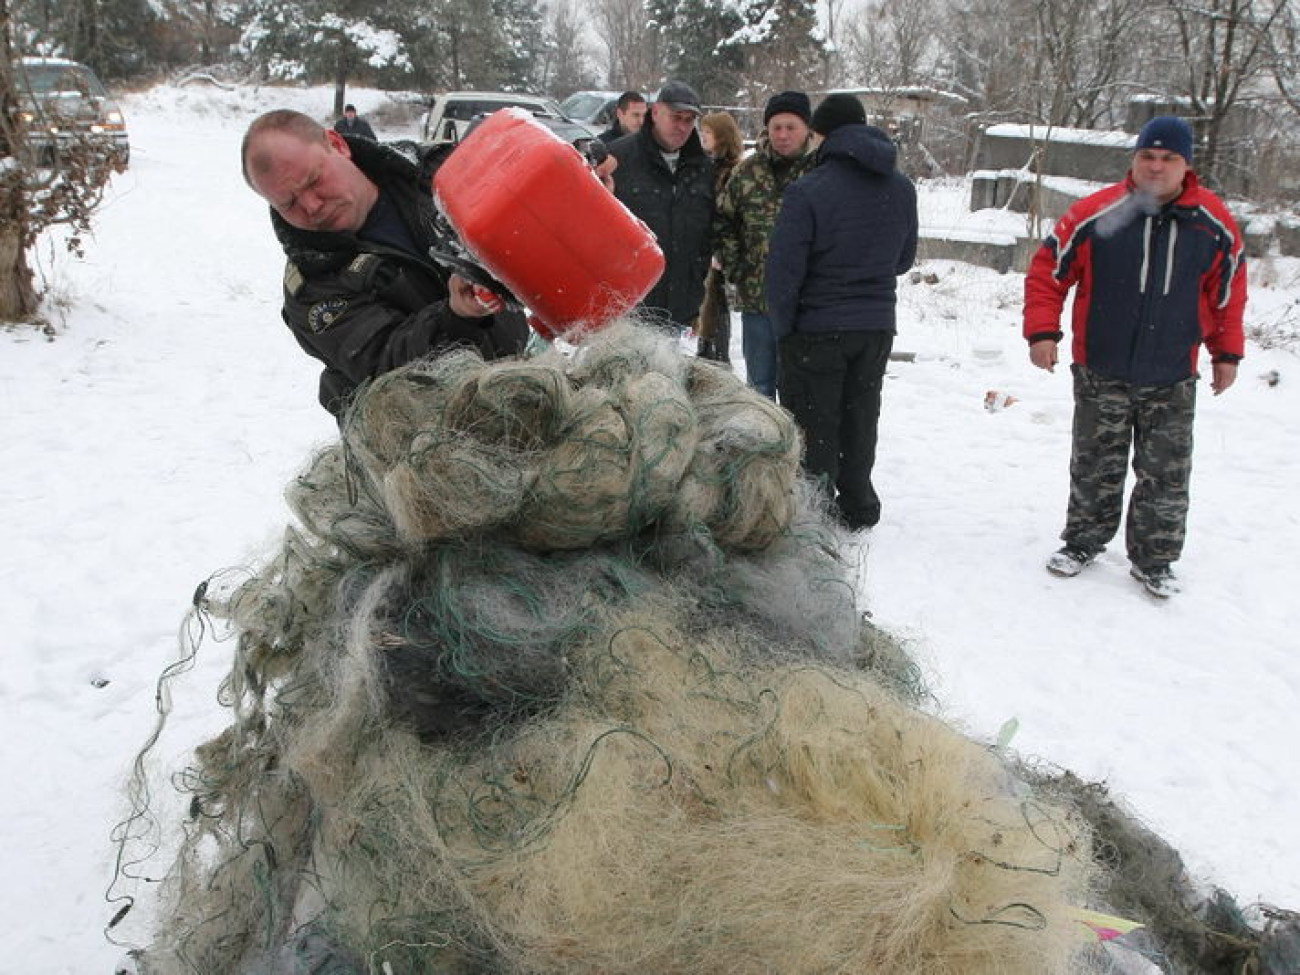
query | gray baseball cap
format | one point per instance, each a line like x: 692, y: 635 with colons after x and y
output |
x: 680, y: 97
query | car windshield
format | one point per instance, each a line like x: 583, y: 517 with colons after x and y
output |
x: 464, y: 110
x: 582, y: 104
x: 59, y: 79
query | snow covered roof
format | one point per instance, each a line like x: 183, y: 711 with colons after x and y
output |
x: 1054, y: 133
x: 920, y: 93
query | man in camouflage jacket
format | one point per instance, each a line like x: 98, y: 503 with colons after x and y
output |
x: 743, y: 223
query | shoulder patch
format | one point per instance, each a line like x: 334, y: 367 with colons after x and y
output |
x: 360, y: 272
x: 325, y: 313
x: 363, y: 262
x: 293, y: 279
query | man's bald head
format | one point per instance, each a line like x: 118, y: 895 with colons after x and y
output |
x: 306, y: 172
x: 254, y: 159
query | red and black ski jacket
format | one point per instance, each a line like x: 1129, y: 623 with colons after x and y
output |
x: 1152, y: 283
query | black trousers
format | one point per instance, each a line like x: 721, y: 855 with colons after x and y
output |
x: 831, y: 382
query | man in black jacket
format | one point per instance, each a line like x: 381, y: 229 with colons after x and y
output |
x: 361, y: 293
x: 665, y: 178
x: 353, y: 124
x: 844, y: 233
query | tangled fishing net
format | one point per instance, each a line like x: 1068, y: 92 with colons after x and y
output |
x: 561, y: 671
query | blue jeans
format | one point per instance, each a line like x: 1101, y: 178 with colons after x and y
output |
x: 758, y: 342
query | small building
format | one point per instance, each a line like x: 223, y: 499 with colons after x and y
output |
x: 907, y: 114
x: 902, y: 112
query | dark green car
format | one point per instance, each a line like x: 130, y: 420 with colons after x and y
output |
x: 64, y: 105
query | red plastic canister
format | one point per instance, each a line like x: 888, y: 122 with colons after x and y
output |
x: 530, y: 210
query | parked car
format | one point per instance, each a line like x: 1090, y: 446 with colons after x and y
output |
x: 451, y: 115
x: 592, y: 108
x: 63, y: 103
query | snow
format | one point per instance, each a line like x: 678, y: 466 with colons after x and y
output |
x: 1092, y: 137
x: 148, y: 445
x: 1065, y: 184
x: 942, y: 211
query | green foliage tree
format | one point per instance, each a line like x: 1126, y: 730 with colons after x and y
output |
x: 325, y: 39
x: 781, y: 45
x: 692, y: 33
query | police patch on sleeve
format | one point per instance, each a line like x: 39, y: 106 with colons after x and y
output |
x: 325, y: 313
x: 293, y: 279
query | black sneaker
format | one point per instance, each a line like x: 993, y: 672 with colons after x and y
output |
x: 1069, y: 561
x: 1159, y: 580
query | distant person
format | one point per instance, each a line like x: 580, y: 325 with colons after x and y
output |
x: 720, y: 136
x: 746, y: 212
x: 1158, y: 268
x: 629, y: 116
x: 353, y: 124
x: 666, y: 180
x: 361, y: 293
x: 844, y: 233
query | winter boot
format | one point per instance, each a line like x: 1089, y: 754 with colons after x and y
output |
x: 1159, y: 580
x: 1069, y: 561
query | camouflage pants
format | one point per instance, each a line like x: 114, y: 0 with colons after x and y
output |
x: 1156, y: 421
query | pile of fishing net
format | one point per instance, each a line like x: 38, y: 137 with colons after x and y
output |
x: 562, y: 671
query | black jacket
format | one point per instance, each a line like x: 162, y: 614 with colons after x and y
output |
x: 354, y: 126
x: 611, y: 134
x: 677, y: 206
x: 845, y: 231
x: 364, y: 308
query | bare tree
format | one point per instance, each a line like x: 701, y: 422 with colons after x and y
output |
x: 1086, y: 59
x: 834, y: 59
x: 1222, y: 47
x: 632, y: 47
x: 889, y: 44
x: 1282, y: 45
x: 40, y: 186
x: 567, y: 55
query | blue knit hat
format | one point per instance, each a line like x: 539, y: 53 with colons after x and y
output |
x: 1167, y: 132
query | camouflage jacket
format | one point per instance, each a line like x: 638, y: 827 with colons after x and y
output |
x: 746, y: 211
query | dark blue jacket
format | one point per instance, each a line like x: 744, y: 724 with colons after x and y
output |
x: 845, y: 232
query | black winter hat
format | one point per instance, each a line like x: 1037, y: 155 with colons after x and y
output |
x: 836, y: 110
x: 788, y: 102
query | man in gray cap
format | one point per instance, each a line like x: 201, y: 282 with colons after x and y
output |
x: 666, y: 179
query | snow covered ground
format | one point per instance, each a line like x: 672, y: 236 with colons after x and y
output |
x: 148, y: 446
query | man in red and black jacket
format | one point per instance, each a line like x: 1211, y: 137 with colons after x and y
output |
x: 1158, y: 268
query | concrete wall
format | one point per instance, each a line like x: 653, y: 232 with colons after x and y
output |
x: 1002, y: 255
x: 1017, y: 191
x: 1083, y: 154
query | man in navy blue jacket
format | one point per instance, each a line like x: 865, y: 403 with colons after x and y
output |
x: 845, y: 232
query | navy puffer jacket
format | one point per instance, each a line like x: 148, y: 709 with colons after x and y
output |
x: 845, y: 232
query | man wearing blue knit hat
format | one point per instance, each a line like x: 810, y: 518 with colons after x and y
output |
x: 1158, y: 268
